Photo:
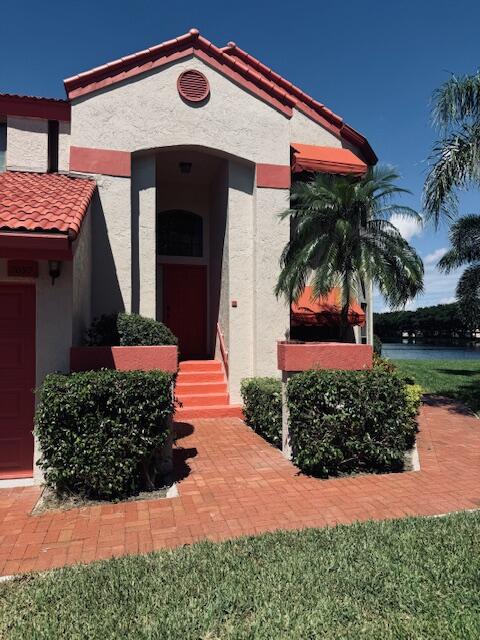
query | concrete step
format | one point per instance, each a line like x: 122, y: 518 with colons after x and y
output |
x: 202, y: 399
x: 198, y: 366
x: 214, y: 411
x: 201, y: 387
x: 200, y: 377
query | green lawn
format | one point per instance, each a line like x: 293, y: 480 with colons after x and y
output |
x: 458, y: 379
x: 410, y: 579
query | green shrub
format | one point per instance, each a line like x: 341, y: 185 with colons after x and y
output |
x: 383, y: 364
x: 129, y: 330
x: 103, y: 331
x: 100, y: 432
x: 346, y: 421
x: 413, y: 396
x: 262, y: 406
x: 377, y: 345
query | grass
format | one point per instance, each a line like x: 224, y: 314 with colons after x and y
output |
x: 458, y: 379
x: 413, y: 578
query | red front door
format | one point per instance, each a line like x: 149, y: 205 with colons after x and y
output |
x: 185, y: 307
x: 17, y: 379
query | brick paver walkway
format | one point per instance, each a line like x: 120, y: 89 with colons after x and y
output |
x: 233, y: 483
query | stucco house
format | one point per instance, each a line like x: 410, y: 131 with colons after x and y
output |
x: 154, y: 188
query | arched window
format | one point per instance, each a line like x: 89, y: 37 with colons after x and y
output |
x: 179, y: 233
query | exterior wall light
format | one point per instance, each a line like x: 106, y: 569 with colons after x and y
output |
x: 54, y: 269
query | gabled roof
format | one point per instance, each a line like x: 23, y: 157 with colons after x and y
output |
x: 232, y: 62
x: 34, y: 107
x: 46, y: 202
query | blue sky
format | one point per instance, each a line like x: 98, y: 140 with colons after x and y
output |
x: 375, y: 63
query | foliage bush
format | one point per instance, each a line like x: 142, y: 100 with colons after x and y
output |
x: 262, y: 401
x: 101, y: 432
x: 377, y: 345
x: 383, y: 364
x: 129, y: 330
x: 346, y: 421
x: 413, y: 395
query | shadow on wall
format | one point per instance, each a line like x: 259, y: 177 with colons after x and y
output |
x: 242, y: 177
x: 135, y: 249
x: 106, y: 293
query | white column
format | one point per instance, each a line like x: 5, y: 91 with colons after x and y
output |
x: 286, y: 446
x: 143, y: 218
x: 271, y: 315
x: 240, y: 274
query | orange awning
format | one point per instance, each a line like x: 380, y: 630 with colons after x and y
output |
x: 324, y: 311
x: 308, y: 157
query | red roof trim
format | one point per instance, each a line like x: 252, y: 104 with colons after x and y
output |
x: 35, y: 246
x: 188, y: 45
x: 34, y: 107
x: 231, y: 61
x: 306, y: 103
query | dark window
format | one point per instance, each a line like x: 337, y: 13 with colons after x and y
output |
x: 52, y: 146
x: 179, y: 233
x: 3, y: 145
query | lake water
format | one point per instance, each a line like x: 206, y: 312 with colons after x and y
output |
x: 428, y: 352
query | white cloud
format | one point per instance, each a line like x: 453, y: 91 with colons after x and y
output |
x: 408, y: 227
x: 434, y: 257
x: 439, y: 289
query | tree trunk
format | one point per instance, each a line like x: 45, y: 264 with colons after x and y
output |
x: 343, y: 329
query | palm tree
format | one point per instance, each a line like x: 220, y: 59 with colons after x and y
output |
x: 341, y: 237
x: 465, y: 250
x: 456, y: 165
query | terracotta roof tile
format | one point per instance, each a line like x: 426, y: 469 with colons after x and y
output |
x: 43, y: 202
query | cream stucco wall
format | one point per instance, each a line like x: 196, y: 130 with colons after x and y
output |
x: 143, y: 235
x: 147, y: 112
x: 82, y: 281
x: 111, y: 245
x: 241, y: 247
x: 272, y: 315
x: 219, y: 280
x: 303, y: 129
x: 63, y: 146
x: 27, y: 144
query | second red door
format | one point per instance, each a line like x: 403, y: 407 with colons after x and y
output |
x: 185, y: 307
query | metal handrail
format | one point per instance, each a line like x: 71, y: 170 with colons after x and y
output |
x: 223, y: 348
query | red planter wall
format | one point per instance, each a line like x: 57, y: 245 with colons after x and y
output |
x: 293, y: 356
x: 124, y: 358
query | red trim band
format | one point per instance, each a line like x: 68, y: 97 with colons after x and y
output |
x: 31, y: 107
x: 35, y: 246
x: 104, y: 161
x: 274, y: 176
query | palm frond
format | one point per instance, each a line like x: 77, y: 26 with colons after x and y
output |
x: 455, y: 165
x: 341, y: 236
x: 468, y: 294
x: 465, y: 243
x: 456, y: 100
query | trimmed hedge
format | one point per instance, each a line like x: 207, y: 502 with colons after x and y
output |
x: 262, y: 400
x: 347, y: 421
x: 128, y: 330
x: 101, y: 432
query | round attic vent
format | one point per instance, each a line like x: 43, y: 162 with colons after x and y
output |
x: 193, y: 85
